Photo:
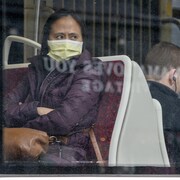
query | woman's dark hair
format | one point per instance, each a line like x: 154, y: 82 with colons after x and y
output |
x: 54, y: 17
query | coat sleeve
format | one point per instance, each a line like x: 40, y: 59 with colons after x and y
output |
x: 79, y: 100
x: 15, y: 114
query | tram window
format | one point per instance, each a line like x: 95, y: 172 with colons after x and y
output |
x: 16, y: 53
x: 13, y: 17
x: 176, y: 27
x: 175, y: 36
x: 113, y: 27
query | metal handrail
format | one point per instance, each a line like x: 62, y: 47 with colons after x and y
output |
x: 7, y: 45
x: 171, y: 20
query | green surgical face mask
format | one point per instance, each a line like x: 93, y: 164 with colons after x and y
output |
x: 64, y: 49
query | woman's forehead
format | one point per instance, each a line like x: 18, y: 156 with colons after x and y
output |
x: 66, y: 23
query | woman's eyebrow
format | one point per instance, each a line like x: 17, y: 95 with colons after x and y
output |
x: 59, y: 33
x: 72, y: 34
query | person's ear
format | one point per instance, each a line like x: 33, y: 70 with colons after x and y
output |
x: 172, y: 76
x: 172, y: 79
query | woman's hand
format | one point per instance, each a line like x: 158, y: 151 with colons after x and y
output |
x: 43, y: 110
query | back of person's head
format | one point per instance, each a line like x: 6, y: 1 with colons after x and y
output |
x: 161, y: 58
x: 54, y: 17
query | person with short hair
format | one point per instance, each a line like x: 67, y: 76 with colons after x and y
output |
x: 163, y: 74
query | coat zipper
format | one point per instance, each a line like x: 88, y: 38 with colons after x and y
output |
x: 44, y: 91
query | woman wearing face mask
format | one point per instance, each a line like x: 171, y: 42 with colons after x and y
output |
x: 57, y: 96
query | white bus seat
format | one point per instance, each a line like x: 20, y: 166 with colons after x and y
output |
x: 138, y: 137
x: 6, y: 49
x: 123, y: 101
x: 161, y: 132
x: 110, y: 102
x: 14, y: 72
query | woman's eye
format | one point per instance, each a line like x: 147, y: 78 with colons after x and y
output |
x: 74, y: 37
x: 60, y: 37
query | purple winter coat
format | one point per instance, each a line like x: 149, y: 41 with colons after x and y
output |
x: 69, y: 89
